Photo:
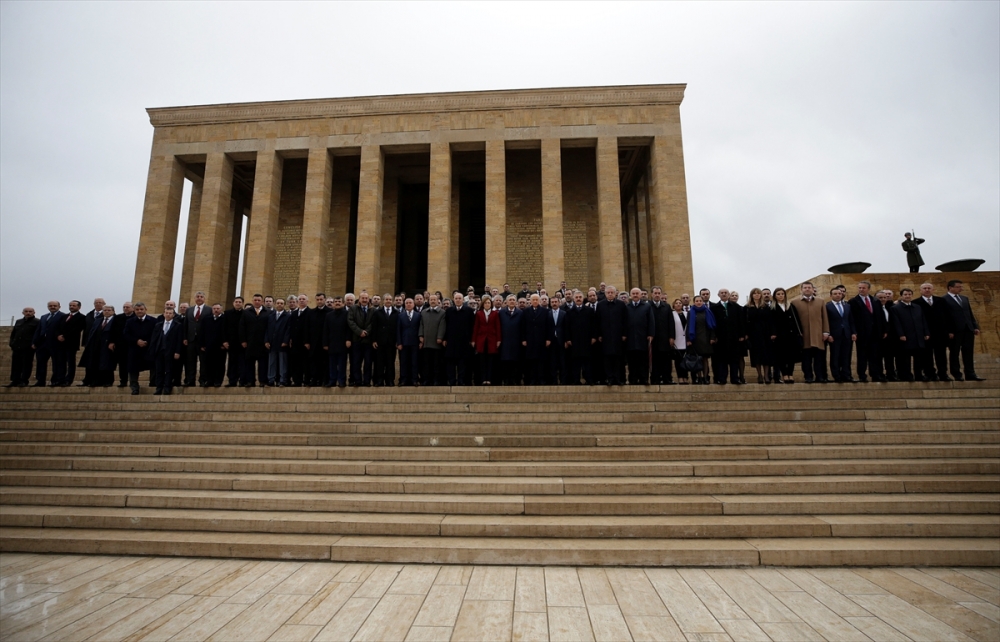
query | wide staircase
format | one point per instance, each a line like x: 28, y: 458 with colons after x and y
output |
x: 876, y: 474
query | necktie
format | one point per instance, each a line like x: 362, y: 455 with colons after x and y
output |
x: 868, y: 304
x: 409, y: 315
x: 840, y: 308
x: 197, y: 313
x: 104, y: 323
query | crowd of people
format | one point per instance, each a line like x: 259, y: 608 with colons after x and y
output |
x: 530, y: 337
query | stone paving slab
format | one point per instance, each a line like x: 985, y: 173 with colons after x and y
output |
x: 107, y: 598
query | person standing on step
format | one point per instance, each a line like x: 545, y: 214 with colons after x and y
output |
x: 359, y: 318
x: 432, y: 331
x: 612, y: 324
x: 842, y: 337
x: 760, y: 330
x: 913, y: 332
x: 486, y: 339
x: 137, y: 335
x: 194, y: 318
x: 408, y: 344
x: 276, y: 338
x: 336, y: 343
x: 459, y: 321
x: 231, y: 343
x: 788, y: 336
x: 888, y: 347
x: 47, y: 346
x: 121, y: 350
x: 70, y: 335
x: 23, y: 353
x: 298, y: 356
x: 811, y: 311
x: 510, y: 342
x: 962, y: 332
x: 253, y: 328
x: 662, y: 351
x: 384, y: 323
x: 214, y: 354
x: 319, y: 363
x: 96, y: 313
x: 935, y: 311
x: 869, y: 324
x: 580, y: 339
x: 165, y: 348
x: 731, y: 334
x: 641, y: 330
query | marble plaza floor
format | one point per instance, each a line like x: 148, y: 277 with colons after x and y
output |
x: 76, y: 597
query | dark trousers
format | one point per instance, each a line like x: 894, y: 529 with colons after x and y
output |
x: 254, y: 365
x: 433, y: 374
x: 234, y: 367
x: 457, y: 368
x: 192, y: 355
x: 122, y: 359
x: 904, y: 358
x: 676, y: 357
x: 814, y: 364
x: 638, y: 367
x: 661, y: 367
x: 70, y: 356
x: 337, y: 369
x: 385, y: 365
x: 887, y: 356
x: 935, y: 351
x: 914, y: 268
x: 486, y: 365
x: 213, y: 363
x: 613, y: 365
x: 596, y: 364
x: 409, y: 366
x: 964, y: 342
x: 869, y: 360
x: 534, y: 372
x: 319, y: 366
x: 510, y: 372
x: 21, y: 364
x: 42, y: 357
x: 163, y: 371
x: 361, y: 364
x: 133, y: 379
x: 727, y: 366
x: 840, y: 359
x: 557, y: 365
x: 297, y: 357
x: 578, y: 366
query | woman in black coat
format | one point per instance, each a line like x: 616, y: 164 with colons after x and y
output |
x: 787, y: 336
x: 701, y: 336
x: 760, y: 330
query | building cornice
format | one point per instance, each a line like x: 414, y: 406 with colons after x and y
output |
x: 468, y: 101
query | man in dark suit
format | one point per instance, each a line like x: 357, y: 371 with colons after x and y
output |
x: 612, y: 324
x: 842, y: 336
x: 47, y: 347
x: 730, y: 331
x: 408, y: 343
x: 384, y: 323
x: 70, y: 335
x: 359, y: 319
x: 580, y: 338
x: 510, y: 342
x: 298, y: 356
x: 136, y: 336
x: 165, y: 348
x: 935, y: 310
x: 913, y: 332
x: 193, y: 328
x: 318, y: 360
x: 557, y: 372
x: 459, y: 321
x: 98, y: 356
x: 432, y: 332
x: 89, y: 318
x: 231, y: 343
x: 888, y: 346
x: 23, y: 353
x: 276, y: 338
x: 641, y: 332
x: 663, y: 323
x: 213, y: 337
x: 869, y: 325
x: 962, y: 332
x: 335, y: 343
x: 118, y: 340
x: 253, y: 327
x: 536, y: 336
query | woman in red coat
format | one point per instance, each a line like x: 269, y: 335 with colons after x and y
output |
x: 486, y: 339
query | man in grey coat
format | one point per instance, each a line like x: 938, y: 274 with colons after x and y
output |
x: 432, y: 332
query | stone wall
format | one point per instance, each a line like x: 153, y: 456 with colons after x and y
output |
x: 524, y: 217
x: 289, y: 244
x: 982, y: 288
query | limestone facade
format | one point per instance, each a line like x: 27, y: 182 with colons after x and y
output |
x: 427, y: 191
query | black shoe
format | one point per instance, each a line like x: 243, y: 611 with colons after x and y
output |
x: 959, y: 377
x: 862, y: 380
x: 135, y: 392
x: 944, y: 378
x: 975, y: 378
x: 168, y: 391
x: 123, y: 385
x: 158, y: 392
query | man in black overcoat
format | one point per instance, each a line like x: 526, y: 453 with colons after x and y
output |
x: 384, y: 324
x: 580, y: 338
x: 962, y: 332
x: 730, y: 330
x: 641, y: 332
x: 612, y: 323
x: 870, y: 325
x: 253, y: 328
x: 318, y: 362
x: 118, y: 339
x: 137, y: 334
x: 165, y: 348
x: 213, y: 336
x: 23, y: 354
x: 47, y: 346
x: 935, y: 310
x: 913, y: 332
x: 71, y: 336
x: 459, y: 320
x: 536, y: 336
x: 231, y: 343
x: 663, y: 322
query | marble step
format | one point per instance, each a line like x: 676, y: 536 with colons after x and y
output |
x: 490, y: 504
x: 677, y: 485
x: 710, y: 468
x: 813, y: 551
x: 533, y: 526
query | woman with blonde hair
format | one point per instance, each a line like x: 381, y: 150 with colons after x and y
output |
x: 787, y: 335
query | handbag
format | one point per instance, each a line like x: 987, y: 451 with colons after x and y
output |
x: 692, y: 362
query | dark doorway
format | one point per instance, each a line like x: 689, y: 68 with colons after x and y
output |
x: 411, y: 238
x: 352, y: 237
x: 472, y: 235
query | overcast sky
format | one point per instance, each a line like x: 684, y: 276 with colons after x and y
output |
x: 814, y: 133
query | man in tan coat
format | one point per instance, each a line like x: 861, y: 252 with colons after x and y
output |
x: 815, y: 333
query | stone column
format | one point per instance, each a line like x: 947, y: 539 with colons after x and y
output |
x: 191, y: 240
x: 161, y: 213
x: 368, y: 252
x: 439, y: 250
x: 315, y: 222
x: 496, y: 213
x: 553, y: 252
x: 671, y: 251
x: 340, y: 226
x: 215, y: 228
x: 609, y: 212
x: 262, y: 237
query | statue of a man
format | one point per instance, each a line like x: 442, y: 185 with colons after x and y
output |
x: 913, y: 258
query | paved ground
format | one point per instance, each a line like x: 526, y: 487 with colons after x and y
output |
x: 73, y: 597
